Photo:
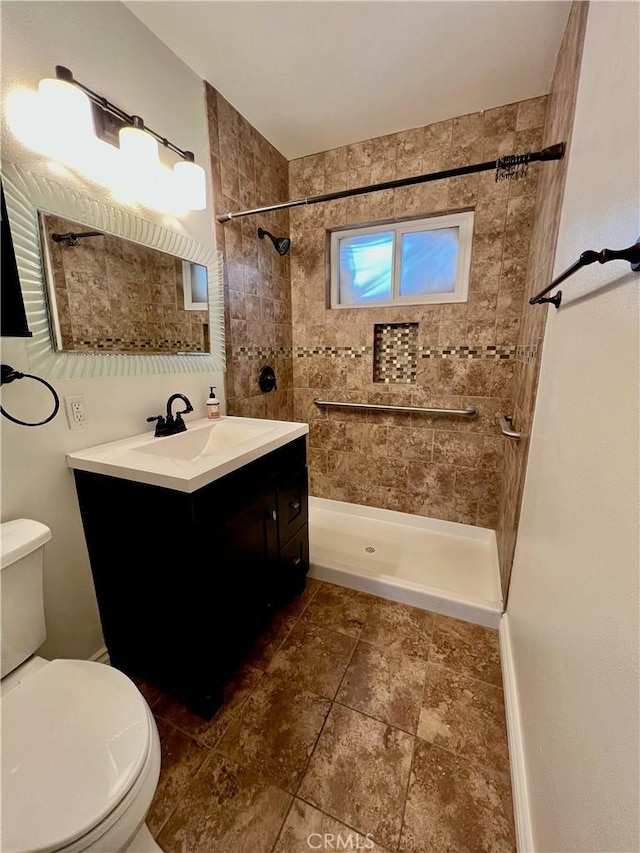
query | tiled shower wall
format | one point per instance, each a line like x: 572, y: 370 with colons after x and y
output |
x: 558, y: 127
x: 248, y: 172
x: 467, y: 353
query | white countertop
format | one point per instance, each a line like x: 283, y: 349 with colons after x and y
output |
x: 190, y: 460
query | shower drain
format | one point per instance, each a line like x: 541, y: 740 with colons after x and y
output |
x: 370, y: 549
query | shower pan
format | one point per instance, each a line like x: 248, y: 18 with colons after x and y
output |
x: 442, y: 566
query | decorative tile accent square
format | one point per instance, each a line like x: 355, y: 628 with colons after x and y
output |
x: 395, y: 352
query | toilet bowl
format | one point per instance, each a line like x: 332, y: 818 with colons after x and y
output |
x: 80, y: 748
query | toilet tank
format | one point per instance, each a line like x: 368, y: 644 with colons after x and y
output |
x: 21, y: 556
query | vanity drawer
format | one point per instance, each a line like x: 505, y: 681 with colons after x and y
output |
x: 294, y: 562
x: 293, y: 499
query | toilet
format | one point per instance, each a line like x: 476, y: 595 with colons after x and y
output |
x: 80, y: 748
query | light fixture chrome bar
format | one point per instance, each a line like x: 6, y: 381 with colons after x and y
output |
x: 510, y: 166
x: 469, y: 412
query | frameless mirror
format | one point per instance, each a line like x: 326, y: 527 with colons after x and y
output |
x: 113, y: 294
x: 109, y: 294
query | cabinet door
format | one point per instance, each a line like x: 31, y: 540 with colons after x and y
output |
x: 240, y: 560
x: 293, y: 498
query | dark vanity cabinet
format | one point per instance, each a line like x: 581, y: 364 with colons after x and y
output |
x: 186, y: 582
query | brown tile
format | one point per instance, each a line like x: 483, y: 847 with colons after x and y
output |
x: 438, y: 134
x: 151, y: 693
x: 468, y: 128
x: 312, y: 658
x: 500, y: 120
x: 275, y: 732
x: 359, y: 772
x: 455, y: 806
x: 299, y: 603
x: 181, y: 759
x: 465, y: 716
x: 307, y: 828
x: 531, y: 113
x: 384, y: 685
x: 493, y: 452
x: 458, y: 448
x: 435, y: 482
x: 410, y: 143
x: 226, y: 808
x: 399, y: 627
x: 209, y: 732
x: 340, y: 608
x: 470, y: 649
x: 410, y: 442
x: 478, y: 484
x: 270, y: 640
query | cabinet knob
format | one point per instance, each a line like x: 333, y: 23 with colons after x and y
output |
x: 295, y: 505
x: 271, y: 515
x: 297, y: 561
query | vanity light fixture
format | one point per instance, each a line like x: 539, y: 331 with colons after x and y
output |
x: 74, y: 125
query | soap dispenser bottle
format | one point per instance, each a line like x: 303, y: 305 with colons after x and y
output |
x: 213, y: 405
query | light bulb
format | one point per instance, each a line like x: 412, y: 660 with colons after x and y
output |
x: 138, y: 148
x: 139, y: 163
x: 191, y: 184
x: 24, y: 118
x: 67, y: 118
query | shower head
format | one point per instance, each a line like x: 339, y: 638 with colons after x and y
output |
x: 282, y: 244
x: 70, y: 240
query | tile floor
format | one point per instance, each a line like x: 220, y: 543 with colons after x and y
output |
x: 356, y: 721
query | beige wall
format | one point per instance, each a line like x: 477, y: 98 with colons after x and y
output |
x: 108, y: 48
x: 573, y: 606
x: 248, y: 172
x: 442, y: 468
x: 558, y: 128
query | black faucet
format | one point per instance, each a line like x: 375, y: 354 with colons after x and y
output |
x: 171, y: 425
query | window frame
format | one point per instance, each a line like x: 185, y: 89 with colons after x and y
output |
x: 463, y: 220
x: 187, y: 289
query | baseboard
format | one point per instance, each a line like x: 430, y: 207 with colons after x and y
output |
x: 101, y: 656
x: 521, y: 812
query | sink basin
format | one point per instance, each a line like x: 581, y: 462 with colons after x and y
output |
x: 190, y: 460
x: 207, y: 441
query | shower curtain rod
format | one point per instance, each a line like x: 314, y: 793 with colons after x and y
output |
x: 513, y: 166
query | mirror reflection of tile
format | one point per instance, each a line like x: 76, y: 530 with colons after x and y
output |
x: 113, y: 295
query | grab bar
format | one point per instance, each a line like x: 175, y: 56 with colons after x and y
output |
x: 506, y: 426
x: 469, y: 412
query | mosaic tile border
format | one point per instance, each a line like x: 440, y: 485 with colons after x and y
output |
x: 524, y: 354
x: 486, y: 352
x: 333, y: 352
x: 118, y: 345
x: 254, y: 353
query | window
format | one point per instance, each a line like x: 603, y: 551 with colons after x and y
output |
x: 403, y: 263
x: 195, y: 286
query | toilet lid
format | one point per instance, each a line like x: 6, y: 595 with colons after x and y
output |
x: 75, y: 735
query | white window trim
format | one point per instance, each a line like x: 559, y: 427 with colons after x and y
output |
x: 462, y: 221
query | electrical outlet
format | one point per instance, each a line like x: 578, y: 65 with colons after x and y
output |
x: 76, y: 414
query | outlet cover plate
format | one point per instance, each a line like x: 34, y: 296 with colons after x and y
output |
x: 76, y: 411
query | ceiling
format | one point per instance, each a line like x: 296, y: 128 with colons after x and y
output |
x: 315, y: 74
